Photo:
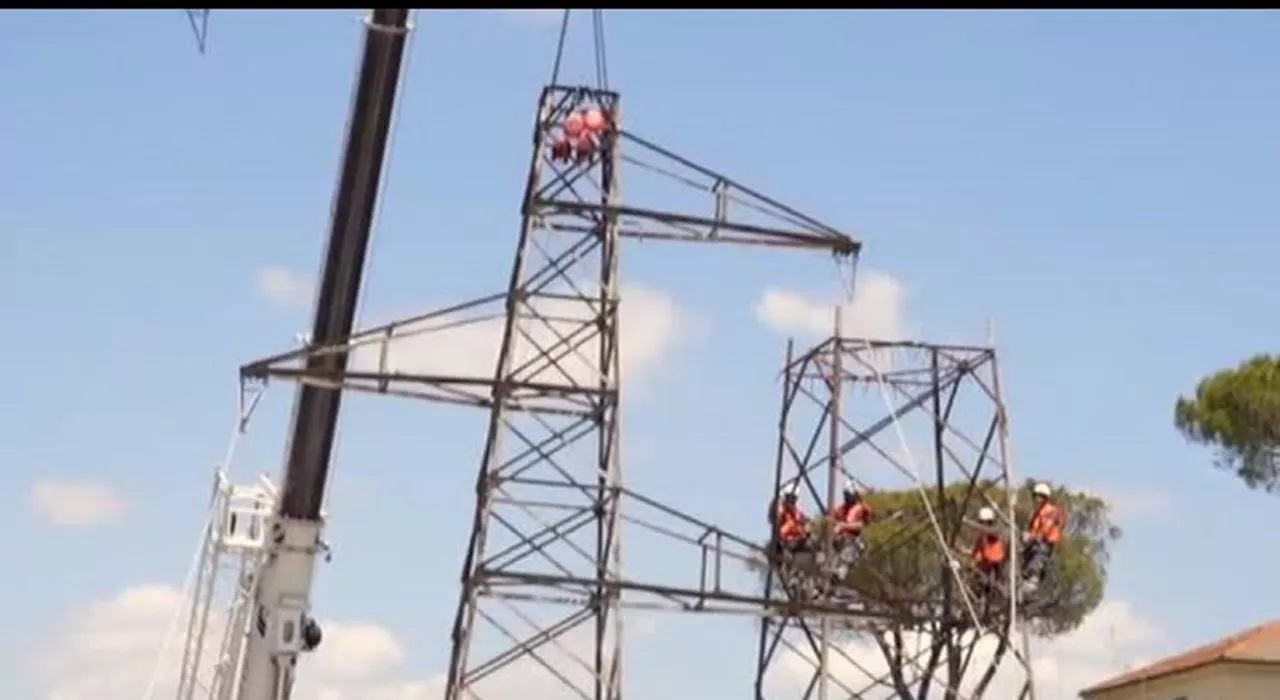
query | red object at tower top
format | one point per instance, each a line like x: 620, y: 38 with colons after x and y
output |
x: 573, y: 125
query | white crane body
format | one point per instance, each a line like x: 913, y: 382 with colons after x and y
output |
x: 270, y: 623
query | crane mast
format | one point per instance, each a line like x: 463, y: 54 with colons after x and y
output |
x: 281, y: 626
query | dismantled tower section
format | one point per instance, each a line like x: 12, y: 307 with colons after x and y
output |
x: 542, y: 582
x: 892, y: 466
x: 895, y: 450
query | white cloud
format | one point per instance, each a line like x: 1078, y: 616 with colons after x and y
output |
x: 534, y: 17
x: 357, y: 650
x: 877, y: 310
x: 1133, y: 504
x: 651, y: 325
x: 562, y: 668
x: 109, y: 651
x: 283, y: 287
x: 1114, y: 638
x: 75, y: 503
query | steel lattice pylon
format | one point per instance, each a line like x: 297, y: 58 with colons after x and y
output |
x: 925, y: 427
x: 549, y: 494
x: 551, y: 393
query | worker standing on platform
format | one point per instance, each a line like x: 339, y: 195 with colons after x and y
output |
x: 790, y: 525
x: 848, y: 520
x: 1044, y: 531
x: 988, y: 553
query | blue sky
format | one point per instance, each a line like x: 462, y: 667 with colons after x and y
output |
x: 1100, y: 185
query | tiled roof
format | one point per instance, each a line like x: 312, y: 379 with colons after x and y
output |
x: 1256, y: 644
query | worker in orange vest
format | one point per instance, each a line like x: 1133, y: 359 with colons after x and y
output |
x: 790, y: 525
x: 988, y: 553
x: 1044, y: 532
x: 851, y: 515
x: 848, y: 520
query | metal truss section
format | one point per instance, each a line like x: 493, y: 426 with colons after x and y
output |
x: 222, y: 588
x: 709, y: 569
x: 710, y: 206
x: 920, y: 429
x: 541, y: 582
x: 548, y: 516
x: 565, y: 208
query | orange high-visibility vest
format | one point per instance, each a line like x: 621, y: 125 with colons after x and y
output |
x: 855, y: 515
x: 988, y: 550
x: 790, y: 523
x: 1046, y: 523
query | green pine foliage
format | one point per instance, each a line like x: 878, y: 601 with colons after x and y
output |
x: 904, y: 567
x: 1236, y: 411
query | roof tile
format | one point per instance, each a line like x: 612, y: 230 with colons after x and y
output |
x: 1260, y: 643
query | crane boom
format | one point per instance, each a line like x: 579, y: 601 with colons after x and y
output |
x: 281, y: 627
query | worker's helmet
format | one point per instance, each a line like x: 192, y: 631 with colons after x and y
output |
x: 1042, y: 489
x: 850, y: 490
x: 986, y: 515
x: 789, y: 493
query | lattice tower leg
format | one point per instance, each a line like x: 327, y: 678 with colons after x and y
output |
x: 546, y: 518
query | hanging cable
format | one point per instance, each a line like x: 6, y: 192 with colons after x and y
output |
x: 936, y: 526
x: 189, y: 586
x: 601, y: 55
x: 909, y: 456
x: 564, y: 34
x: 599, y: 51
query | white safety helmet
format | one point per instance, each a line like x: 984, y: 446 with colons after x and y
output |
x: 1042, y: 489
x: 986, y: 515
x: 789, y: 491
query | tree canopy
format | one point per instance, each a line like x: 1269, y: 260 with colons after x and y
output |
x: 904, y: 575
x: 1236, y: 411
x: 904, y: 565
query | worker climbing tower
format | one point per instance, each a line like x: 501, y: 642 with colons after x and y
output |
x: 919, y: 431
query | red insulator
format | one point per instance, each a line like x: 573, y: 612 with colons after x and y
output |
x: 594, y: 121
x: 573, y: 125
x: 586, y: 147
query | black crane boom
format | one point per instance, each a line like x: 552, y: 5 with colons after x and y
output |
x: 315, y: 413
